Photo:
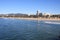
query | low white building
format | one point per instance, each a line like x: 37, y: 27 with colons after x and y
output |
x: 47, y: 14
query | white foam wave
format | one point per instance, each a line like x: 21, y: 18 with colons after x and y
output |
x: 8, y: 18
x: 5, y: 18
x: 52, y: 22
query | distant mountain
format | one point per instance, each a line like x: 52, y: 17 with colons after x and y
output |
x: 18, y: 14
x: 14, y: 14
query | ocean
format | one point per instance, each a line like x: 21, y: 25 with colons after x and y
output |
x: 20, y: 29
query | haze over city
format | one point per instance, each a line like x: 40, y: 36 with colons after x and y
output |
x: 29, y: 6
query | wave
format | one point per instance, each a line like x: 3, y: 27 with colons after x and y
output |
x: 52, y: 22
x: 5, y: 18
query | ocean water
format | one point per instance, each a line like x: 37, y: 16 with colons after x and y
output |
x: 18, y: 29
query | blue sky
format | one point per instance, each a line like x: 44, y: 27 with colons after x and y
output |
x: 29, y: 6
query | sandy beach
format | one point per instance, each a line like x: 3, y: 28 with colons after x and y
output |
x: 57, y: 19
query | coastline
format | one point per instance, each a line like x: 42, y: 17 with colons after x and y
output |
x: 52, y: 19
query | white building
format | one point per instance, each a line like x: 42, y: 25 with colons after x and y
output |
x: 47, y: 14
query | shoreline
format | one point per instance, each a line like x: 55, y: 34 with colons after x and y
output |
x: 52, y: 19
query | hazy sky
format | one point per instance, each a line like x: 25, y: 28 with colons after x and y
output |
x: 29, y: 6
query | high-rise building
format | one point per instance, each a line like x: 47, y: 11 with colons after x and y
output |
x: 38, y: 14
x: 38, y: 11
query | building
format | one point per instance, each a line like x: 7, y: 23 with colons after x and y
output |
x: 47, y: 15
x: 38, y: 14
x: 38, y: 11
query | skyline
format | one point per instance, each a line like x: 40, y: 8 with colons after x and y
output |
x: 29, y: 6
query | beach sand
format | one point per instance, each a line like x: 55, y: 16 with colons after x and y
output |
x: 57, y: 19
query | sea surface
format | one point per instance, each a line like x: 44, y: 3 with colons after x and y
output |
x: 19, y: 29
